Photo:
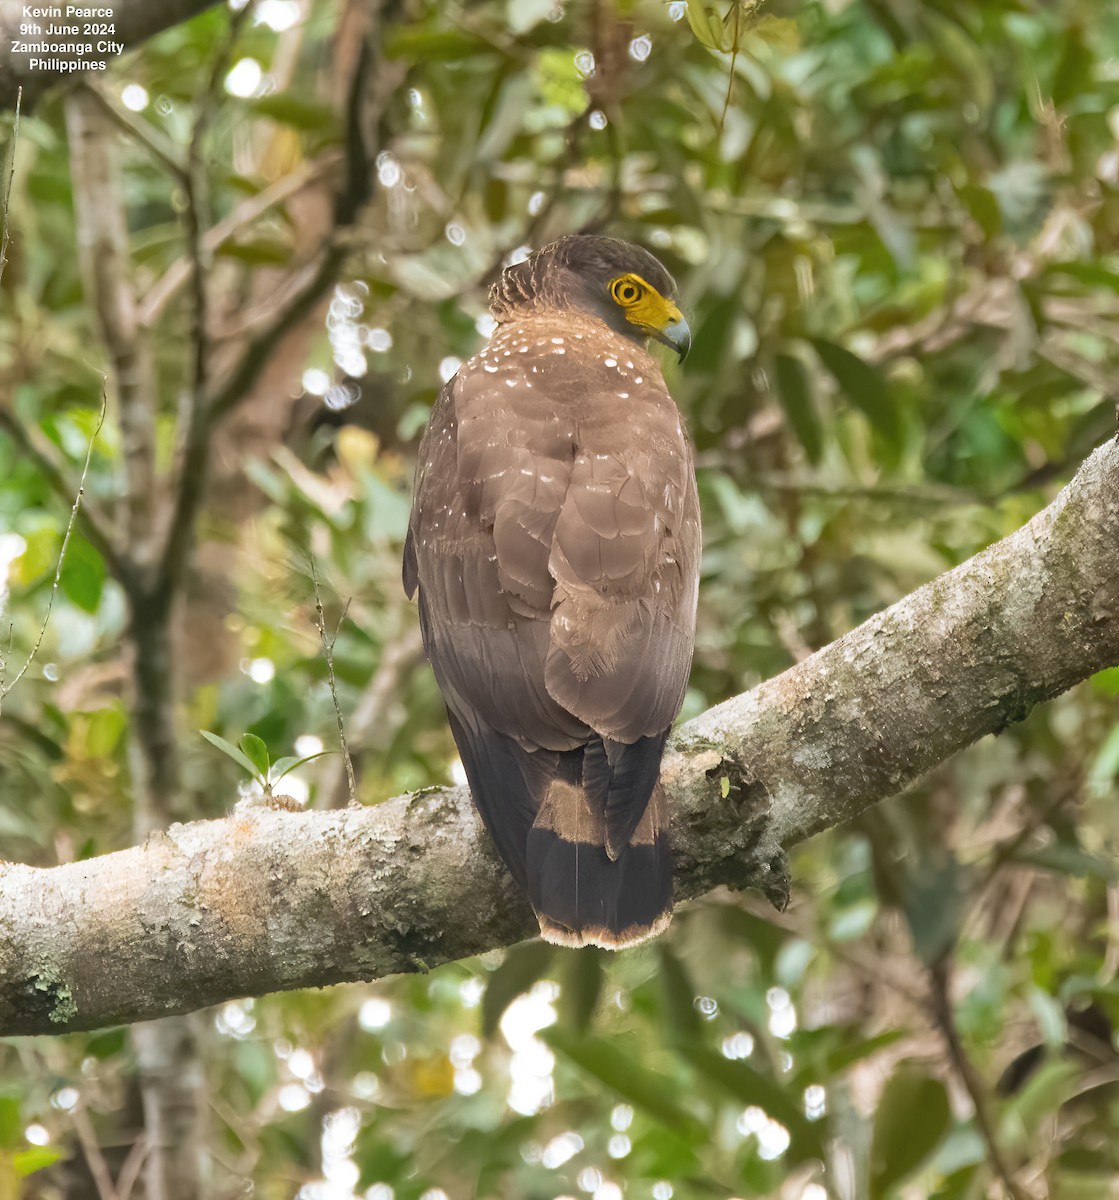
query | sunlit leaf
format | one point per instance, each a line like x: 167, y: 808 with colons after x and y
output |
x: 256, y: 752
x: 282, y: 766
x: 34, y: 1158
x: 238, y: 756
x: 83, y: 574
x: 523, y: 966
x: 11, y: 1126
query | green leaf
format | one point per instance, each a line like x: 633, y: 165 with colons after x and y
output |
x: 288, y: 763
x: 684, y: 1022
x: 1063, y: 859
x: 35, y: 1158
x: 847, y: 1055
x: 764, y: 938
x: 1077, y: 63
x: 707, y: 27
x: 753, y: 1087
x: 234, y: 753
x: 298, y: 112
x: 106, y: 727
x: 912, y: 1118
x: 39, y: 558
x: 933, y: 897
x: 983, y: 207
x: 1104, y: 771
x: 259, y: 252
x: 1042, y: 1094
x: 795, y: 391
x: 256, y: 1068
x: 644, y: 1089
x: 523, y: 966
x: 257, y: 753
x: 83, y: 574
x: 580, y: 987
x: 1090, y: 273
x: 867, y: 390
x: 11, y: 1125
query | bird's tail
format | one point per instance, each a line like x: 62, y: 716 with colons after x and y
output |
x: 585, y: 896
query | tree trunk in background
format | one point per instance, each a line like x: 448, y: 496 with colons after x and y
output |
x: 169, y: 1062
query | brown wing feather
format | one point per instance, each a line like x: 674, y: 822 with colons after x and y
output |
x: 625, y: 561
x: 554, y: 542
x: 478, y: 541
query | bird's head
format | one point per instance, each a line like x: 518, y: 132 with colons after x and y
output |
x: 621, y: 284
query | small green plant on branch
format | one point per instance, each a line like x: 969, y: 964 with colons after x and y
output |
x: 252, y: 754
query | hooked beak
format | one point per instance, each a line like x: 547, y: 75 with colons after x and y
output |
x: 677, y: 335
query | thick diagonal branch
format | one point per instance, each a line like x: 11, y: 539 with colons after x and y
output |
x: 267, y: 900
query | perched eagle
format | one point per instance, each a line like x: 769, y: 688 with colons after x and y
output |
x: 554, y: 541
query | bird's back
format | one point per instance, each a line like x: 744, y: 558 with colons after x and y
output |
x: 554, y: 543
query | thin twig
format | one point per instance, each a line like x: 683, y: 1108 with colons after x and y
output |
x: 872, y: 969
x: 133, y: 1165
x: 8, y: 187
x: 1110, y: 963
x: 318, y: 277
x: 969, y: 1077
x: 168, y: 285
x: 328, y: 650
x: 94, y: 525
x: 106, y: 272
x: 196, y: 419
x: 1004, y: 852
x: 370, y: 718
x: 162, y: 149
x: 5, y: 689
x: 95, y: 1160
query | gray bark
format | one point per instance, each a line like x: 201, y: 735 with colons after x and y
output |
x: 268, y: 899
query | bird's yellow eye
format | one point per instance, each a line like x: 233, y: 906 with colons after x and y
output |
x: 626, y: 290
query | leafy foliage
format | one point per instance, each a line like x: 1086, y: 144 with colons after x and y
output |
x: 895, y: 227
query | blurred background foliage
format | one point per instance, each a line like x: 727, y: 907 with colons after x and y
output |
x: 895, y: 226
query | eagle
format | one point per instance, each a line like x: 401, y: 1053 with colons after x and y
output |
x: 554, y: 544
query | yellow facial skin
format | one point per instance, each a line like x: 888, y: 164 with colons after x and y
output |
x: 646, y: 308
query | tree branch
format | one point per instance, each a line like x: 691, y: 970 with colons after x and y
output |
x: 268, y: 900
x: 102, y: 235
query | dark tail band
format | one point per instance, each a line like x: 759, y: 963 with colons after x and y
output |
x: 582, y: 895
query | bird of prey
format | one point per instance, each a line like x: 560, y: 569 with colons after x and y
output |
x: 554, y: 542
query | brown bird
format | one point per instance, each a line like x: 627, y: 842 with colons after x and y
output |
x: 555, y: 543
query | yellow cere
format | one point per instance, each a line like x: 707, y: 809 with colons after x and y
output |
x: 644, y: 306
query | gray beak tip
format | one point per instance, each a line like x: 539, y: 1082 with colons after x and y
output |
x: 678, y: 335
